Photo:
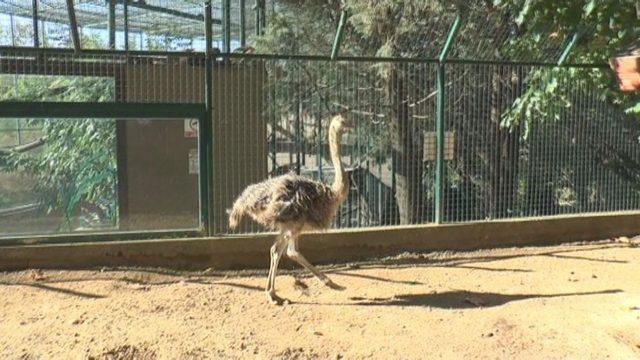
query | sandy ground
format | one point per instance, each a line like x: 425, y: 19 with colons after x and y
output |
x: 564, y: 302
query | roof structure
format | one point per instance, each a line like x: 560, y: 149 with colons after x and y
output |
x: 182, y: 19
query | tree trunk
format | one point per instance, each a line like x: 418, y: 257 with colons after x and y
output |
x: 407, y: 141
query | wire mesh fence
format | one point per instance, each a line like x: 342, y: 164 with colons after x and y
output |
x: 58, y: 75
x: 576, y: 154
x: 282, y: 128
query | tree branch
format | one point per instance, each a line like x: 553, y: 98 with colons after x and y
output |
x: 23, y: 148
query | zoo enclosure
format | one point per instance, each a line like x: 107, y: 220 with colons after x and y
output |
x: 430, y: 144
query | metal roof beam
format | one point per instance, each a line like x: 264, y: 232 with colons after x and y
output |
x: 164, y: 10
x: 75, y: 35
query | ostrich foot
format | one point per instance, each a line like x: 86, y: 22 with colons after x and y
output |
x: 333, y: 285
x: 275, y: 299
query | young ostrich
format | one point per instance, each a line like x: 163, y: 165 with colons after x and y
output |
x: 291, y: 204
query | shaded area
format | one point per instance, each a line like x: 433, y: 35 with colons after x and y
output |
x: 58, y: 290
x: 376, y: 278
x: 588, y: 259
x: 424, y: 259
x: 462, y: 299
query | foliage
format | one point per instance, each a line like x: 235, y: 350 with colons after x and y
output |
x: 517, y: 97
x: 606, y: 28
x: 76, y: 166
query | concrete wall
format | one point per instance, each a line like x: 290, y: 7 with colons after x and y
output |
x: 333, y: 246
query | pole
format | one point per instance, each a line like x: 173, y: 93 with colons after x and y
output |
x: 440, y: 122
x: 243, y: 20
x: 126, y: 24
x: 338, y: 38
x: 36, y: 32
x: 75, y: 35
x: 206, y: 131
x: 439, y: 185
x: 567, y: 49
x: 112, y: 24
x: 226, y: 26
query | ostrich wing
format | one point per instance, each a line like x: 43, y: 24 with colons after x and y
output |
x: 288, y: 198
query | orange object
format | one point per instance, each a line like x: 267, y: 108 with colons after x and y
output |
x: 627, y: 69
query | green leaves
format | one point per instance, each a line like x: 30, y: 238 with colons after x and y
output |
x: 77, y: 164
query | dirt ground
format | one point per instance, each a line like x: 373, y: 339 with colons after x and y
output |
x: 566, y: 302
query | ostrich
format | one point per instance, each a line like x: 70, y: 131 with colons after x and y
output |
x: 291, y: 204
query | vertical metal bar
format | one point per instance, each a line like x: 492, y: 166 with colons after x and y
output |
x: 567, y: 49
x: 44, y: 33
x: 452, y: 34
x: 243, y: 20
x: 18, y: 132
x: 112, y: 24
x: 257, y: 10
x: 125, y: 4
x: 338, y: 38
x: 75, y: 35
x: 36, y: 32
x: 439, y: 185
x: 13, y: 32
x: 206, y: 131
x: 263, y: 15
x: 226, y: 26
x: 440, y: 125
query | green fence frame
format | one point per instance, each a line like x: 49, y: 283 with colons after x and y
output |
x: 122, y: 111
x: 203, y: 112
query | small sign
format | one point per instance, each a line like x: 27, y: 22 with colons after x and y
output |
x: 191, y: 128
x: 430, y: 148
x: 194, y: 166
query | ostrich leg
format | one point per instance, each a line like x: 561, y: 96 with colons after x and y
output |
x: 277, y: 250
x: 295, y: 255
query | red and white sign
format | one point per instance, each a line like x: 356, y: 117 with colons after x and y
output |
x: 191, y: 128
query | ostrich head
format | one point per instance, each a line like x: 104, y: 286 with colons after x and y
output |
x: 339, y: 124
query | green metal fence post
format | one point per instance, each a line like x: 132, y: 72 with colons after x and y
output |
x: 112, y: 24
x: 36, y: 30
x: 243, y: 20
x: 338, y: 38
x: 125, y: 5
x: 226, y: 26
x: 567, y: 49
x: 257, y: 20
x: 206, y: 130
x: 440, y: 123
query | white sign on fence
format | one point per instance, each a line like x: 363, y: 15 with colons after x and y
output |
x: 194, y: 167
x: 191, y: 128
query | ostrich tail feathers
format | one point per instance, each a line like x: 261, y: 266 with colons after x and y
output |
x: 235, y: 215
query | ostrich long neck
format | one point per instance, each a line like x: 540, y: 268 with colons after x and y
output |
x: 339, y: 184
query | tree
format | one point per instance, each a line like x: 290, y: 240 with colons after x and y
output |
x: 73, y: 161
x: 490, y: 103
x: 604, y: 29
x: 385, y: 28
